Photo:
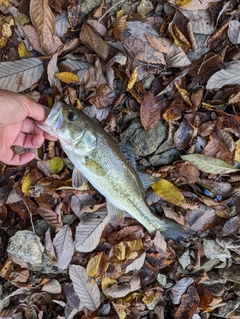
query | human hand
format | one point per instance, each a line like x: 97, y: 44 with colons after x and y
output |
x: 18, y: 128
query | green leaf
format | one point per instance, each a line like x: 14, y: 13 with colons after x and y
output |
x: 56, y: 165
x: 208, y: 164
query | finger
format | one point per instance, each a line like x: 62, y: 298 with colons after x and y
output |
x: 29, y: 141
x: 11, y: 158
x: 35, y: 110
x: 29, y: 126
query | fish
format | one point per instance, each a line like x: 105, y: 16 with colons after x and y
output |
x: 97, y: 158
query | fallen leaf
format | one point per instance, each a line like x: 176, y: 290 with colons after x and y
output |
x: 43, y: 19
x: 89, y: 231
x: 94, y: 41
x: 168, y: 192
x: 150, y: 111
x: 233, y: 31
x: 87, y: 291
x: 67, y: 77
x: 56, y: 165
x: 51, y: 217
x: 21, y: 74
x: 208, y: 164
x: 179, y: 288
x: 52, y: 286
x: 64, y: 247
x: 189, y: 304
x: 97, y: 265
x: 229, y: 75
x: 74, y: 13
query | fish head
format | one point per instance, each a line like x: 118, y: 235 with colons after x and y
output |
x: 66, y: 123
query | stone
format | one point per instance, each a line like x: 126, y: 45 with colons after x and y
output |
x: 144, y: 143
x: 26, y: 246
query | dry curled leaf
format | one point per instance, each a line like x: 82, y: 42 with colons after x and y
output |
x: 150, y: 111
x: 44, y: 20
x: 94, y: 41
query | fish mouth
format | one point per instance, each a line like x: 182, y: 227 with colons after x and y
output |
x: 53, y: 121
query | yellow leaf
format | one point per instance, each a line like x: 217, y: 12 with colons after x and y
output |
x: 26, y: 184
x: 56, y: 165
x: 23, y: 51
x: 119, y: 15
x: 4, y: 2
x: 94, y: 264
x: 184, y: 94
x: 120, y: 251
x: 120, y: 310
x: 182, y: 3
x: 6, y: 27
x: 3, y: 41
x: 133, y: 78
x: 135, y: 244
x: 67, y: 77
x: 168, y: 192
x: 148, y: 299
x: 179, y: 37
x: 237, y: 151
x: 107, y: 282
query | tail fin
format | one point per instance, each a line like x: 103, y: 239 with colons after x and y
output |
x: 172, y: 230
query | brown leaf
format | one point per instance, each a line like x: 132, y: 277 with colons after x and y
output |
x: 184, y: 135
x: 73, y: 10
x: 160, y: 44
x: 150, y: 111
x: 93, y: 41
x: 119, y: 27
x: 217, y: 148
x: 51, y: 217
x: 205, y: 296
x: 189, y: 304
x: 231, y: 226
x: 126, y: 234
x: 228, y: 122
x: 44, y: 21
x: 174, y: 111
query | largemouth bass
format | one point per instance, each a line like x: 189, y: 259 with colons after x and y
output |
x: 99, y: 160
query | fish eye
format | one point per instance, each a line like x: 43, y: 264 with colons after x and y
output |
x: 72, y: 116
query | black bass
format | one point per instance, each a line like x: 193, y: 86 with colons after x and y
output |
x: 99, y: 160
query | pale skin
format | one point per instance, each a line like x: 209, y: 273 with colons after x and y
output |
x: 17, y: 127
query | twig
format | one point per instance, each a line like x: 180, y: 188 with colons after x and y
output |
x: 116, y: 4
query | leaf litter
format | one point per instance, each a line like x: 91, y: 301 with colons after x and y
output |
x: 162, y: 76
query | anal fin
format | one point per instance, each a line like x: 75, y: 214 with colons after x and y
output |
x: 116, y: 215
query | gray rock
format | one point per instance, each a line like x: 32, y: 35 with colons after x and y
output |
x: 226, y: 310
x: 165, y: 154
x: 144, y: 143
x: 217, y: 289
x: 213, y: 251
x: 164, y: 158
x: 232, y: 273
x: 26, y: 246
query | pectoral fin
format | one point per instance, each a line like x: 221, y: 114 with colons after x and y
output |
x: 78, y: 179
x: 116, y: 215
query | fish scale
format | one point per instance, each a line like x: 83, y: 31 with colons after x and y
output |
x: 96, y: 155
